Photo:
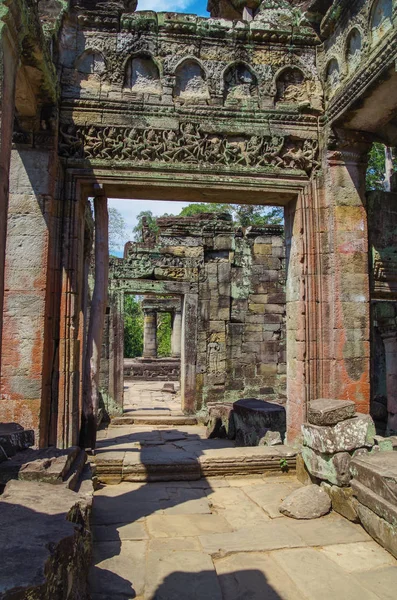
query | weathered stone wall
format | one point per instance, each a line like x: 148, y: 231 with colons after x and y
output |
x: 382, y: 217
x: 235, y: 346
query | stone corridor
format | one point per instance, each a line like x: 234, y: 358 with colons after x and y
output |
x: 217, y: 537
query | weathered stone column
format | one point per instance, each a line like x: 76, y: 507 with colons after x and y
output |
x: 189, y: 353
x: 390, y: 342
x: 9, y: 60
x: 150, y: 335
x: 28, y: 316
x: 328, y: 285
x: 176, y: 339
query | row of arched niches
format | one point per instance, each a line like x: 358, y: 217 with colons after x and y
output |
x: 193, y: 83
x: 348, y: 51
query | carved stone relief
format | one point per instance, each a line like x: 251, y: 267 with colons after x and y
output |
x: 143, y: 75
x: 292, y: 87
x: 354, y: 49
x: 189, y: 145
x: 332, y: 77
x: 240, y: 84
x: 190, y: 83
x: 381, y: 19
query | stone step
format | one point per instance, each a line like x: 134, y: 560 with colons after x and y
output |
x: 154, y: 464
x: 155, y: 420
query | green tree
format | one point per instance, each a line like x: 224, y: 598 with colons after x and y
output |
x: 151, y: 222
x: 376, y: 171
x: 164, y: 332
x: 133, y: 327
x: 117, y: 230
x: 243, y: 215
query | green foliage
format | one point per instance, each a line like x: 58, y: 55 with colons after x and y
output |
x: 151, y: 222
x: 377, y: 167
x: 243, y: 215
x: 164, y: 331
x: 133, y: 327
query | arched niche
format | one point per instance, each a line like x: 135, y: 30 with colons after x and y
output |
x: 190, y: 82
x: 240, y: 84
x: 353, y: 49
x: 332, y: 76
x: 90, y: 69
x: 142, y: 75
x: 292, y: 87
x: 381, y: 19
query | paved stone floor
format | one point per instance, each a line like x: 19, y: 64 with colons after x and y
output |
x: 147, y: 396
x: 223, y: 539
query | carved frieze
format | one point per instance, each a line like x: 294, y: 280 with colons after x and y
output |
x: 187, y: 146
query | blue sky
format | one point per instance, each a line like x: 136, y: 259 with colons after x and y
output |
x: 131, y: 208
x: 197, y: 7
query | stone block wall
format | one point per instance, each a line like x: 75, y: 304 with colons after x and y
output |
x: 232, y: 285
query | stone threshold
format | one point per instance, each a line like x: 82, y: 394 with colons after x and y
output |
x: 155, y: 420
x: 152, y: 464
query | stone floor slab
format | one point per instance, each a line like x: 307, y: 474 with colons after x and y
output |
x: 270, y: 495
x: 118, y: 568
x: 261, y: 538
x: 181, y: 575
x: 164, y: 526
x: 114, y: 533
x: 382, y: 582
x: 319, y: 578
x: 254, y: 576
x: 235, y: 507
x: 359, y: 556
x: 327, y: 531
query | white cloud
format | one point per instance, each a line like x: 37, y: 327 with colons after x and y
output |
x: 164, y: 5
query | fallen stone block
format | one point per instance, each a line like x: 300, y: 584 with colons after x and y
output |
x: 333, y: 468
x: 310, y: 502
x: 377, y: 471
x: 343, y: 501
x: 13, y: 439
x: 383, y: 444
x: 384, y: 509
x: 382, y: 531
x: 45, y: 542
x: 270, y: 438
x: 252, y: 416
x: 345, y: 436
x: 221, y: 421
x: 169, y: 388
x: 330, y: 412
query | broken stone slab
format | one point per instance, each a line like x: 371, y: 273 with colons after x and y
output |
x: 333, y: 468
x: 310, y: 502
x: 329, y: 412
x: 50, y: 526
x: 14, y: 439
x: 377, y: 471
x: 221, y: 421
x: 383, y: 532
x: 343, y: 501
x: 252, y: 416
x: 345, y: 436
x: 384, y: 509
x: 270, y: 438
x: 169, y: 388
x: 51, y: 465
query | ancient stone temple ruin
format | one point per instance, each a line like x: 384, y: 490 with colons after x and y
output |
x: 284, y: 340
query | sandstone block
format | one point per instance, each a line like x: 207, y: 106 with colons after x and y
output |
x: 378, y: 472
x: 384, y: 509
x: 343, y: 501
x: 330, y: 412
x: 270, y: 438
x: 345, y: 436
x: 310, y: 502
x: 382, y: 531
x: 335, y: 468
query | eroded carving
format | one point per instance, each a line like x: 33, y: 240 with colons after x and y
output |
x: 142, y: 75
x: 188, y: 145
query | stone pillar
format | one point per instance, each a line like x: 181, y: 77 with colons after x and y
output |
x: 328, y: 285
x: 9, y: 60
x: 189, y: 353
x: 176, y: 339
x: 390, y: 342
x: 150, y: 335
x: 28, y: 316
x: 116, y: 354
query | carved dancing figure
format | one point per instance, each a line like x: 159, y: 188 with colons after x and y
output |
x: 171, y: 146
x: 253, y: 150
x: 151, y: 146
x: 213, y: 357
x: 70, y: 144
x: 271, y: 152
x: 112, y: 143
x: 93, y: 142
x: 130, y: 142
x: 192, y: 144
x: 215, y: 152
